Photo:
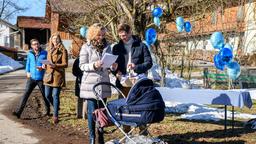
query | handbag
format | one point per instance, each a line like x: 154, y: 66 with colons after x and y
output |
x: 101, y: 118
x: 48, y: 77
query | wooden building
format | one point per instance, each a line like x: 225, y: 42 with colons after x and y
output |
x: 33, y: 27
x: 53, y: 22
x: 57, y: 12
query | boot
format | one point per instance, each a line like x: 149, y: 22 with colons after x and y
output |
x: 55, y: 120
x: 16, y: 114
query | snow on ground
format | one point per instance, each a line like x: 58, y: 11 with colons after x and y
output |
x: 201, y: 112
x: 173, y: 80
x: 194, y: 111
x: 7, y: 64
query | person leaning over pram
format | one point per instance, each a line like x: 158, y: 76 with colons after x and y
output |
x: 133, y: 55
x: 91, y: 65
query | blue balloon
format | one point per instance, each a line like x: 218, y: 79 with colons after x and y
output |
x: 157, y: 12
x: 217, y: 40
x: 226, y: 55
x: 219, y: 64
x: 180, y: 29
x: 187, y: 26
x: 83, y: 31
x: 227, y: 45
x: 151, y: 36
x: 179, y: 21
x: 233, y: 70
x: 157, y: 21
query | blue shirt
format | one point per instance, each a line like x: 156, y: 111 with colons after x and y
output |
x: 33, y: 61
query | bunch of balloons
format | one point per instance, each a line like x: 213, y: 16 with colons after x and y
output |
x: 225, y: 56
x: 180, y: 25
x: 83, y: 31
x: 151, y: 34
x: 157, y: 13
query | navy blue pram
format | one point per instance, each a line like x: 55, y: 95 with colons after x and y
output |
x: 143, y: 105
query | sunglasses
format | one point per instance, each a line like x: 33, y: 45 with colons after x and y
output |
x: 35, y: 44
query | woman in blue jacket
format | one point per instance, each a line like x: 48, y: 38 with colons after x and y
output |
x: 35, y: 74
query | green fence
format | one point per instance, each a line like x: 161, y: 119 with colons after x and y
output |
x: 214, y: 79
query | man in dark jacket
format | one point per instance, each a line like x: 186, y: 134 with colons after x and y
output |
x: 133, y: 55
x: 35, y: 74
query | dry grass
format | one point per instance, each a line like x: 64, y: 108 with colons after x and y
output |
x: 172, y: 129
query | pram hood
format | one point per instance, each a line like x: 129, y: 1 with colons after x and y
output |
x: 139, y: 92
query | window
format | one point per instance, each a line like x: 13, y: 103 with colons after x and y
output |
x: 205, y: 44
x: 6, y: 41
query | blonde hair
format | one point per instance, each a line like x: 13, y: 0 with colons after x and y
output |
x: 58, y: 37
x: 94, y: 30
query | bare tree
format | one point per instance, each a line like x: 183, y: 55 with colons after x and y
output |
x: 8, y: 8
x: 138, y: 14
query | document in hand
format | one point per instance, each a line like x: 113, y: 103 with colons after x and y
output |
x: 108, y: 59
x: 46, y: 62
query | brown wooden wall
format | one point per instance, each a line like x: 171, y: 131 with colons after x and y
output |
x: 77, y: 42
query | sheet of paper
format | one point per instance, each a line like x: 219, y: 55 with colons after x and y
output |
x: 47, y: 62
x: 108, y: 59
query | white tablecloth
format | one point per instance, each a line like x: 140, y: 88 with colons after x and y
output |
x: 207, y: 96
x: 252, y: 93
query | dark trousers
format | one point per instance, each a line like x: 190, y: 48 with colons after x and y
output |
x: 30, y: 85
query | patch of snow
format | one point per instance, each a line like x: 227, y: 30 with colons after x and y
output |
x: 172, y: 80
x: 154, y: 73
x: 202, y: 112
x: 7, y: 64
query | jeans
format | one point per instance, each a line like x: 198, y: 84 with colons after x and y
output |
x: 30, y: 85
x: 92, y: 104
x: 52, y: 94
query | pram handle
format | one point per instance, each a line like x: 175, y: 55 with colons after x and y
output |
x: 110, y: 115
x: 97, y: 95
x: 106, y: 83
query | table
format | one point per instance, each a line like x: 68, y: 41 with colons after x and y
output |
x: 237, y: 98
x: 252, y: 93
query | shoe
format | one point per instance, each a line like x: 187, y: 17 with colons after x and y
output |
x: 55, y: 120
x: 48, y: 114
x: 48, y: 111
x: 16, y: 114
